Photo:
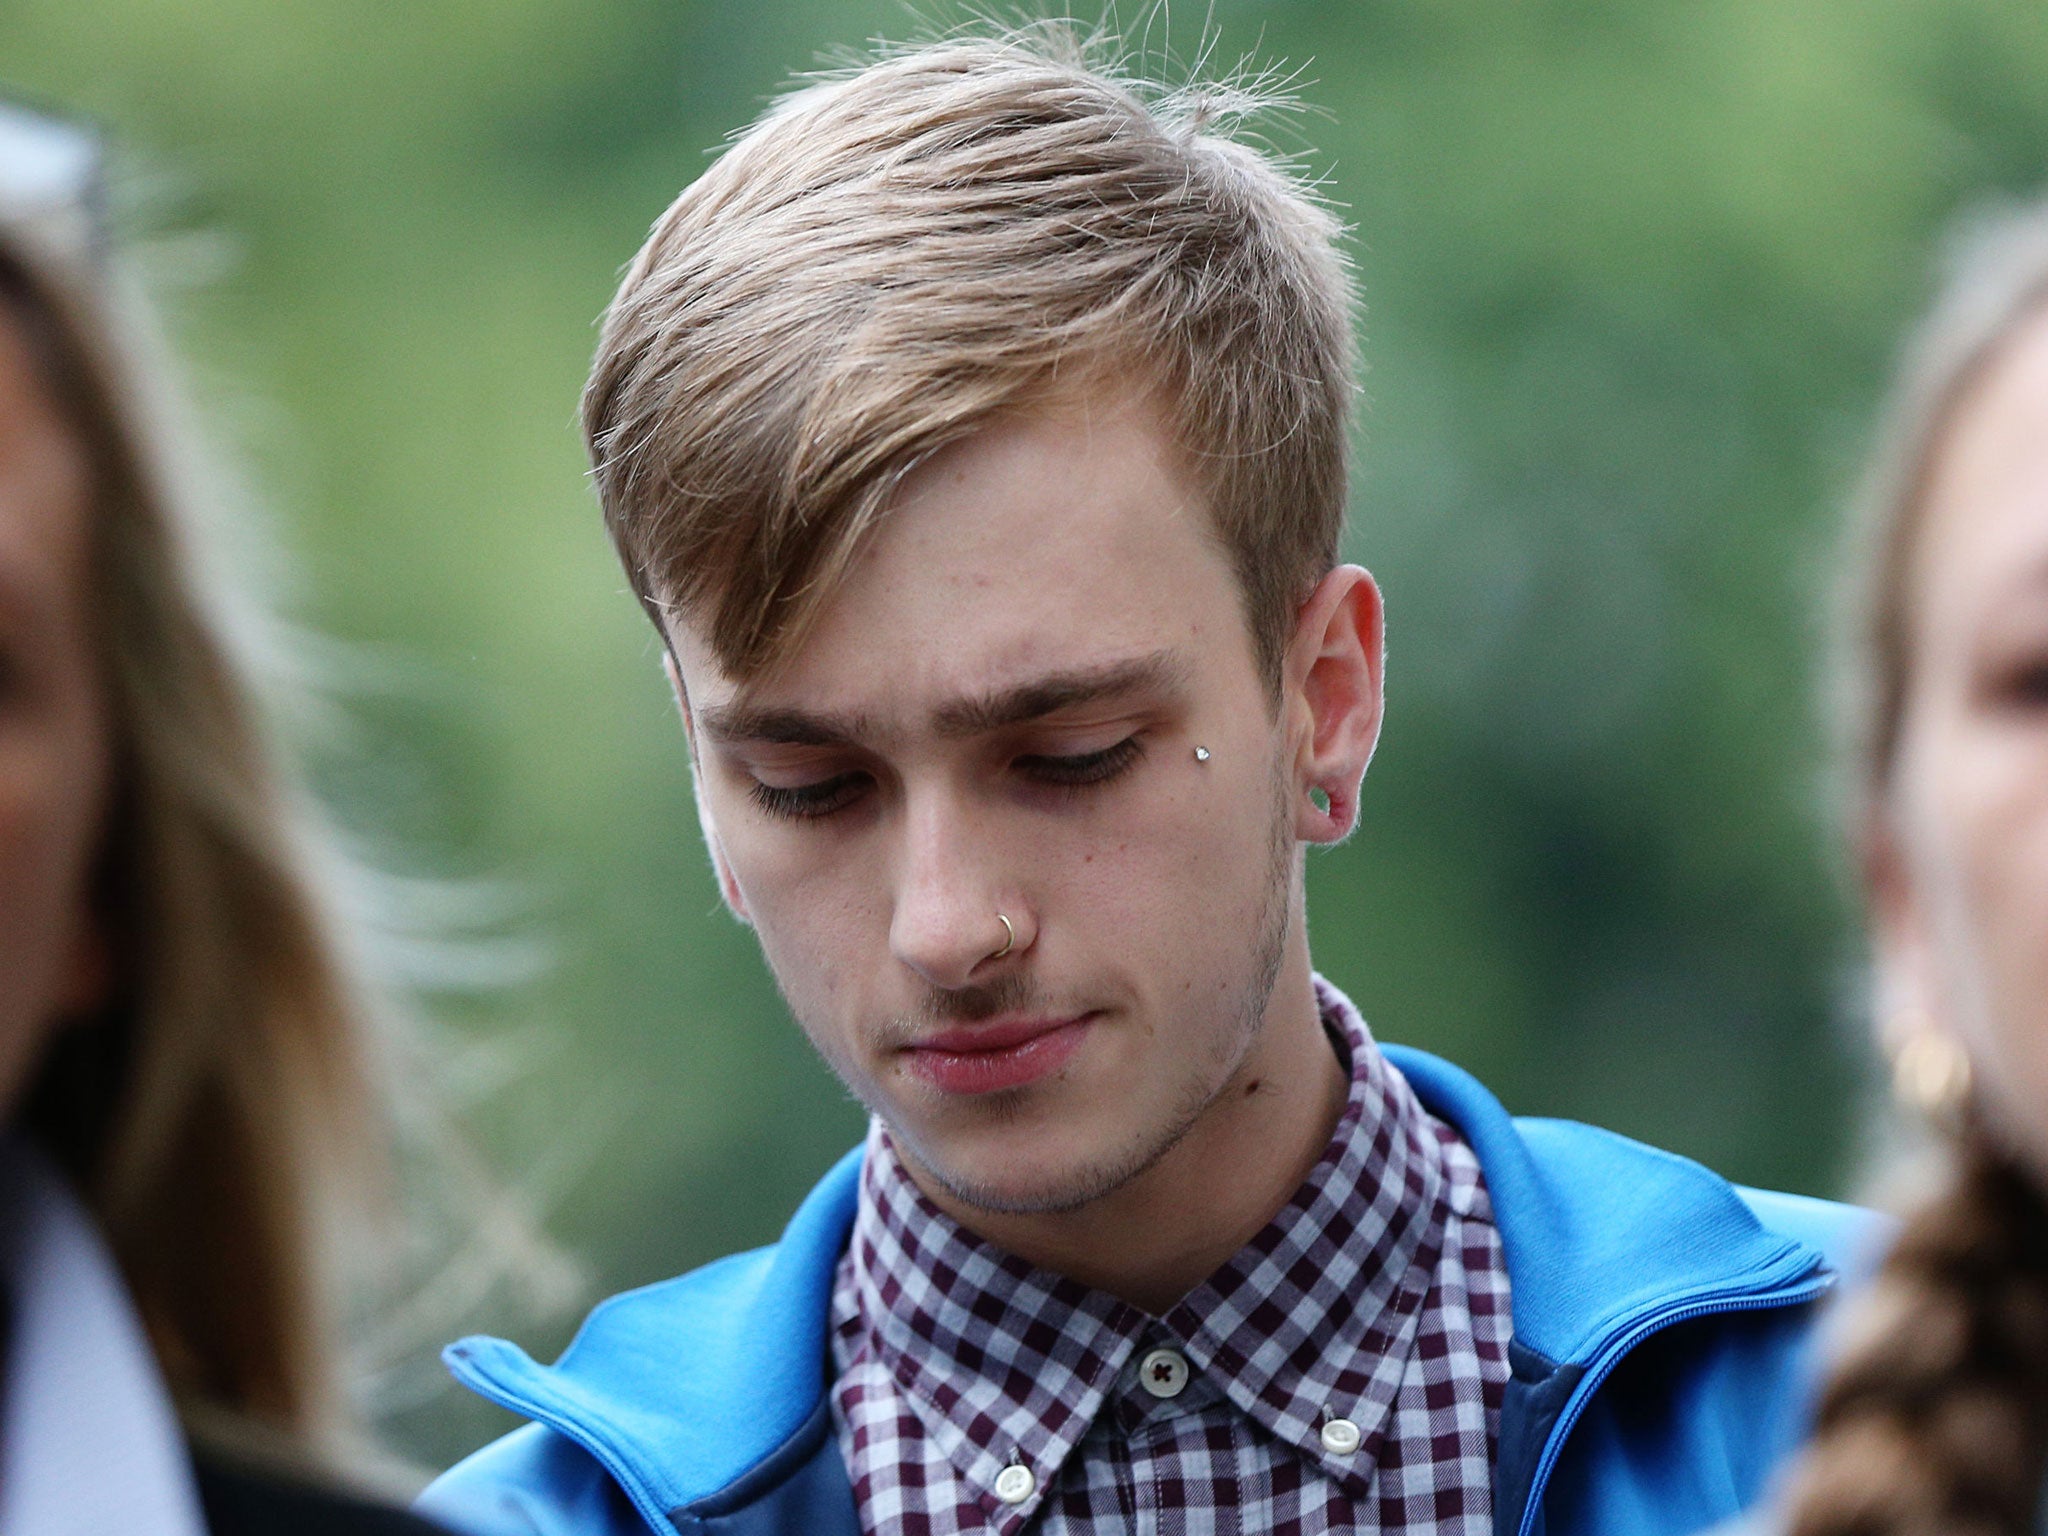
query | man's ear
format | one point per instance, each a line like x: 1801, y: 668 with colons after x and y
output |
x: 1333, y: 682
x: 728, y: 887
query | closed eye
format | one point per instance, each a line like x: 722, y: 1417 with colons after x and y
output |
x: 1069, y: 772
x: 808, y: 802
x: 1083, y: 769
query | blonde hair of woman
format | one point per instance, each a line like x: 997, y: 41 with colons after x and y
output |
x: 219, y: 1102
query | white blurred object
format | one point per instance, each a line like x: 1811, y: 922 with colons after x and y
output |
x: 89, y: 1442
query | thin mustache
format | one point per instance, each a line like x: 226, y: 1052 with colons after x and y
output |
x: 967, y: 1005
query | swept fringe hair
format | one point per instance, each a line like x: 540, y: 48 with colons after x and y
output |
x: 1935, y: 1417
x: 893, y: 256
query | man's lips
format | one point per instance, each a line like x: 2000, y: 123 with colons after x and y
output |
x: 997, y: 1053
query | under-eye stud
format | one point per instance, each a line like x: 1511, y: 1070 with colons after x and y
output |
x: 1201, y: 754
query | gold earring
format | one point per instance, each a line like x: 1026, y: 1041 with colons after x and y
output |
x: 1932, y: 1074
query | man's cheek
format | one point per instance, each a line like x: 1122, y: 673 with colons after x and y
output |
x: 808, y: 934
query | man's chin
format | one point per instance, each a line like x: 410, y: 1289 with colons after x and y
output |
x: 1007, y: 1181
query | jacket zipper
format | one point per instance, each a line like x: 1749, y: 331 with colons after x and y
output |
x: 1612, y: 1355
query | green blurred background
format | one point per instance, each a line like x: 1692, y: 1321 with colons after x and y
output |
x: 1634, y: 270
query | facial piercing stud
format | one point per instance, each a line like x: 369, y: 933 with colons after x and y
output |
x: 1201, y: 754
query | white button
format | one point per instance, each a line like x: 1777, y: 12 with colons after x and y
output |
x: 1015, y: 1484
x: 1163, y: 1373
x: 1341, y: 1437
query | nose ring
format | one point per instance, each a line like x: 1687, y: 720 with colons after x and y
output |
x: 1009, y: 937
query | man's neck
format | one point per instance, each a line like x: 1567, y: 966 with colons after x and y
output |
x: 1153, y: 1239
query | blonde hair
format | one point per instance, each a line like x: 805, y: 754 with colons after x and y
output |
x: 891, y: 258
x: 221, y: 1107
x: 1934, y: 1416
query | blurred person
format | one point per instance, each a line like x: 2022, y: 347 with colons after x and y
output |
x: 1935, y: 1415
x: 974, y: 434
x: 184, y: 1059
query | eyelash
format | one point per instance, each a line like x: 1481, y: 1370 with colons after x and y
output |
x: 806, y: 802
x: 1066, y: 775
x: 1089, y: 768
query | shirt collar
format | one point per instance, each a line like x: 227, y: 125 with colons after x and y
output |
x: 1003, y: 1360
x: 1353, y: 1252
x: 80, y: 1379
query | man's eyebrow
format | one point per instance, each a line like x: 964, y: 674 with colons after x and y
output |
x: 1162, y: 671
x: 739, y: 721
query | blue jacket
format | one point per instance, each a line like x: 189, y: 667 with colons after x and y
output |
x: 1661, y: 1318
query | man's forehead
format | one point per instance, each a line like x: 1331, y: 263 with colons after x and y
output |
x: 1030, y: 558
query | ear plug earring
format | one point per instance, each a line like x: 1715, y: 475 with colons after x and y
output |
x: 1201, y: 754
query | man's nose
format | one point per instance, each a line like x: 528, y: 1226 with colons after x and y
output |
x: 949, y: 918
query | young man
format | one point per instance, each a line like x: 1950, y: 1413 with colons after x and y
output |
x: 973, y: 432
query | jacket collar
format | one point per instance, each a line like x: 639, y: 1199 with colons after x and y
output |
x: 1600, y: 1232
x: 682, y: 1388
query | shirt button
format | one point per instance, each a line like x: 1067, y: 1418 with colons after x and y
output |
x: 1163, y: 1373
x: 1341, y: 1437
x: 1015, y: 1484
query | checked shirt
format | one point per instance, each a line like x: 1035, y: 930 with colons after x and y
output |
x: 1343, y: 1372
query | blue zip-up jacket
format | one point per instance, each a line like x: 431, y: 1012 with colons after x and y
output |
x: 1661, y: 1320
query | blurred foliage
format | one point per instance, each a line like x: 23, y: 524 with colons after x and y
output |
x: 1633, y: 269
